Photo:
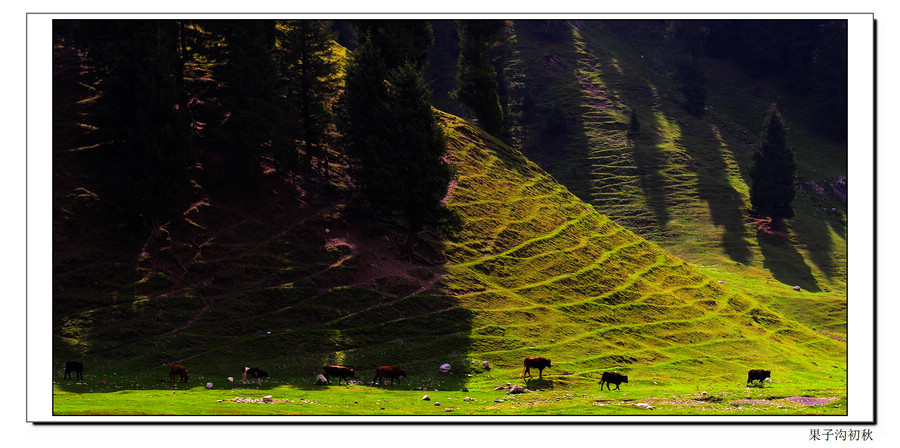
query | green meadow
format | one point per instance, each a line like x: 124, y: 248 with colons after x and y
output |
x: 597, y: 251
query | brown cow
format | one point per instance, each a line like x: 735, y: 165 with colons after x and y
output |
x: 538, y: 363
x: 612, y: 378
x: 391, y: 372
x: 179, y: 371
x: 340, y: 372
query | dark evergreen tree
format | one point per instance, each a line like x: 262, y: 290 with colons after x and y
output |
x: 634, y: 126
x: 140, y: 116
x: 308, y: 72
x: 773, y: 170
x: 362, y: 116
x: 690, y: 34
x: 250, y: 100
x: 440, y: 73
x: 420, y: 146
x: 691, y: 79
x: 477, y: 80
x: 396, y: 145
x: 398, y: 41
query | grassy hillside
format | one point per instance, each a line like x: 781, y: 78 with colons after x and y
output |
x: 682, y: 181
x: 547, y: 274
x: 535, y: 272
x: 298, y: 275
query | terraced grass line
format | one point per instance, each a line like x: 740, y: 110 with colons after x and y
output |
x: 552, y: 234
x: 591, y: 267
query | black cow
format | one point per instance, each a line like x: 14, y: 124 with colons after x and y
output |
x: 758, y: 375
x: 340, y: 372
x: 536, y: 362
x: 612, y: 378
x: 179, y: 371
x: 74, y: 366
x: 253, y: 372
x: 391, y: 372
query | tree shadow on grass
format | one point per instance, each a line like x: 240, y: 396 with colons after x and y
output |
x: 713, y: 187
x: 784, y: 262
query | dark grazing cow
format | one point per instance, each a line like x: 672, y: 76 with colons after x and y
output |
x: 253, y: 373
x: 340, y: 372
x: 536, y: 362
x: 612, y: 378
x: 179, y: 371
x: 758, y: 375
x: 391, y: 372
x: 74, y: 366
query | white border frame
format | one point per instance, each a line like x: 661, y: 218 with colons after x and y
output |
x: 861, y: 268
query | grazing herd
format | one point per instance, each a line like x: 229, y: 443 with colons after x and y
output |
x: 179, y: 372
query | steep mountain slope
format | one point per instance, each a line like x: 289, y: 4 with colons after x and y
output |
x: 294, y: 284
x: 682, y: 181
x: 545, y: 273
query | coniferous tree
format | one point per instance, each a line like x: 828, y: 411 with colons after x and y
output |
x: 362, y: 115
x: 249, y: 97
x: 476, y: 78
x: 634, y: 127
x: 690, y: 34
x: 692, y: 80
x: 397, y: 147
x: 308, y: 72
x: 773, y: 170
x: 419, y: 142
x: 140, y: 116
x: 397, y: 41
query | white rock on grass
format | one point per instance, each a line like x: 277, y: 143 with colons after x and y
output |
x: 516, y: 390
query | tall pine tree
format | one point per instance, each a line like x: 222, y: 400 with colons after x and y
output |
x: 139, y: 114
x: 307, y: 70
x: 476, y: 79
x: 397, y: 41
x: 420, y: 146
x: 397, y: 147
x: 773, y: 170
x: 249, y: 98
